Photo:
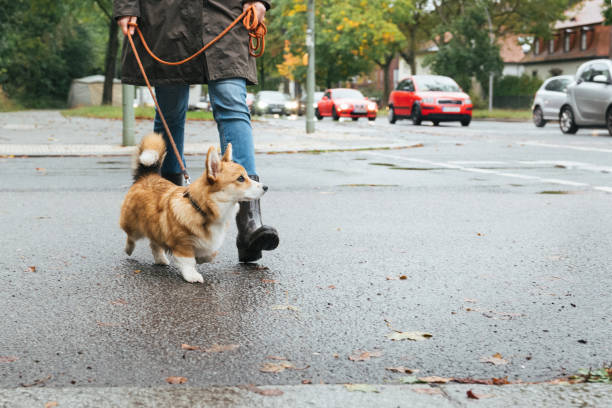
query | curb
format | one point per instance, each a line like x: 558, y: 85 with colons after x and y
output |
x: 320, y: 395
x: 79, y: 150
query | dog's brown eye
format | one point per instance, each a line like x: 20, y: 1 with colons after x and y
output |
x: 241, y: 179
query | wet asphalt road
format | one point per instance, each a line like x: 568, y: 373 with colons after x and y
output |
x: 494, y: 263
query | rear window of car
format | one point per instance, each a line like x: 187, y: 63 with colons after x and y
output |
x: 435, y: 83
x: 273, y: 96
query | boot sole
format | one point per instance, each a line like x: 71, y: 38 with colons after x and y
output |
x: 265, y: 240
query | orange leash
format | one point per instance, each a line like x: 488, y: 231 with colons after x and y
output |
x: 257, y: 31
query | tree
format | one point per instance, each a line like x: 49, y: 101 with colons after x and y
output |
x: 417, y: 23
x: 465, y: 50
x: 110, y: 60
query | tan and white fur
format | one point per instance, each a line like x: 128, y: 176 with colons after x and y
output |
x: 188, y: 222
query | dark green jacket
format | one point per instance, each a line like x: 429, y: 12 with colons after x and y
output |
x: 175, y: 29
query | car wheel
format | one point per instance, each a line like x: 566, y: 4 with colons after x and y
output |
x: 318, y: 114
x: 392, y: 118
x: 538, y: 117
x: 609, y: 121
x: 436, y: 122
x: 416, y: 115
x: 355, y: 119
x: 372, y: 119
x: 566, y: 121
x: 466, y: 122
x: 335, y: 115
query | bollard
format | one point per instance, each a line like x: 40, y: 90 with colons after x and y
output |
x: 128, y: 114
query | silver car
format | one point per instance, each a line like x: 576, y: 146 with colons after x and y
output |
x: 589, y: 99
x: 549, y: 99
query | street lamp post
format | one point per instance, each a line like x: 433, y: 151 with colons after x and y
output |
x: 310, y: 78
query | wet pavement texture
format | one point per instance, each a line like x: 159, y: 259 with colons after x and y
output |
x: 502, y: 237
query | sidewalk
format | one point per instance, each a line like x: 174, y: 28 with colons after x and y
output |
x: 48, y: 133
x: 380, y: 396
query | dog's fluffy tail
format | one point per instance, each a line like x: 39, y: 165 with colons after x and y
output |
x: 150, y: 156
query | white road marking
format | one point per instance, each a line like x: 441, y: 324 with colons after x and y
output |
x: 558, y: 146
x: 572, y: 165
x: 493, y: 172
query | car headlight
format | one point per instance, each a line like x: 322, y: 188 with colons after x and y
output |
x: 262, y: 105
x: 291, y: 105
x: 372, y: 106
x: 344, y: 106
x: 467, y: 101
x: 429, y: 101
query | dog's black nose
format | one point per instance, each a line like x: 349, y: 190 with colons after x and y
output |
x: 265, y: 188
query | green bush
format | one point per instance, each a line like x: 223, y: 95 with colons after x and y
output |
x: 511, y: 85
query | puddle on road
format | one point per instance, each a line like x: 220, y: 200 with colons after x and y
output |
x: 382, y: 164
x: 516, y: 185
x: 416, y: 168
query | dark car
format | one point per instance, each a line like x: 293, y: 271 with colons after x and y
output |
x: 430, y: 97
x: 302, y: 106
x: 273, y: 102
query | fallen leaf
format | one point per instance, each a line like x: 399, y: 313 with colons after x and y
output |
x: 285, y: 307
x: 188, y: 347
x: 268, y: 281
x: 430, y: 391
x: 403, y: 277
x: 496, y: 359
x: 361, y: 387
x: 414, y: 336
x: 51, y: 404
x: 37, y: 382
x: 268, y: 367
x: 40, y: 169
x: 104, y: 324
x: 32, y: 268
x: 470, y: 394
x: 306, y: 382
x: 218, y: 348
x: 331, y: 287
x: 119, y: 302
x: 469, y: 300
x: 391, y: 278
x: 500, y: 381
x: 137, y: 271
x: 401, y: 369
x: 176, y: 380
x: 271, y: 392
x: 434, y: 379
x: 7, y: 359
x: 359, y: 355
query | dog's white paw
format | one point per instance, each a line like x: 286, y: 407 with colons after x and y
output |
x: 192, y: 276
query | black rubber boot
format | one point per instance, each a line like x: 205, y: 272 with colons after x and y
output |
x: 253, y: 236
x: 174, y: 178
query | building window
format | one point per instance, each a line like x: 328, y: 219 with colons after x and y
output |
x: 536, y: 47
x: 551, y: 46
x: 583, y: 40
x: 567, y: 41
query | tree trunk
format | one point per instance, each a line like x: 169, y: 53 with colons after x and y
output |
x: 412, y: 51
x: 109, y: 64
x: 386, y: 76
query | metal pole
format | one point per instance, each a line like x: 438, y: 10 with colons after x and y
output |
x: 492, y: 39
x: 127, y: 97
x: 490, y: 91
x: 310, y: 78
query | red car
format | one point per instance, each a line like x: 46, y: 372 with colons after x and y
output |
x: 345, y: 103
x: 430, y: 97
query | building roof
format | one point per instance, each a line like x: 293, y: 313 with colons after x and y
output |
x: 510, y: 50
x: 587, y: 12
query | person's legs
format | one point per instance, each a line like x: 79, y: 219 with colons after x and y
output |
x: 173, y: 101
x: 228, y: 99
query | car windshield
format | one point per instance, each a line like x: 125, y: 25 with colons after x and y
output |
x: 436, y: 83
x: 347, y: 94
x: 273, y: 96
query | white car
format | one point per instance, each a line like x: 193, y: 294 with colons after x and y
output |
x: 549, y: 99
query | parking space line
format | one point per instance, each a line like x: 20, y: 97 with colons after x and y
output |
x: 494, y: 172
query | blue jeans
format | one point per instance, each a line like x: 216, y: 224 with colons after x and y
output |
x: 228, y: 99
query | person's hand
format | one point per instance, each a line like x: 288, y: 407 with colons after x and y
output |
x: 260, y: 9
x: 123, y: 23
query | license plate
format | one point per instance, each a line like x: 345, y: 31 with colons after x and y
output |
x: 276, y: 110
x: 451, y: 109
x: 358, y: 111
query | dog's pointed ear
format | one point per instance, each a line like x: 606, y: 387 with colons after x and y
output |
x: 213, y: 164
x: 227, y: 157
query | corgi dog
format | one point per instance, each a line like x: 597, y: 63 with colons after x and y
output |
x: 188, y: 222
